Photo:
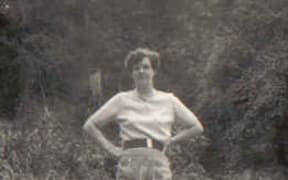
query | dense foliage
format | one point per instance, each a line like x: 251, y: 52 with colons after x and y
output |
x: 226, y: 59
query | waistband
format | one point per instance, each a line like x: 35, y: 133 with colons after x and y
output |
x: 147, y: 143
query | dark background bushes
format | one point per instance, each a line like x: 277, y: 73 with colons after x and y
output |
x: 227, y: 60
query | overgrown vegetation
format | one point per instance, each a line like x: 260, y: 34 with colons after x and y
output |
x: 227, y: 60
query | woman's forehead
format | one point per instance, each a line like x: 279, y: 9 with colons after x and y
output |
x: 144, y: 60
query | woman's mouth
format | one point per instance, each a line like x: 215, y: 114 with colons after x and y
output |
x: 141, y: 76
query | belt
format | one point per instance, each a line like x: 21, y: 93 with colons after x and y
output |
x: 149, y: 143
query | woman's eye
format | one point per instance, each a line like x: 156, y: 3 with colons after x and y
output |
x: 137, y: 68
x: 146, y: 67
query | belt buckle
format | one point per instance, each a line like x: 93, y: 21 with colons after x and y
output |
x: 149, y: 143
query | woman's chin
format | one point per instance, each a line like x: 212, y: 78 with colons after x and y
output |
x: 144, y: 82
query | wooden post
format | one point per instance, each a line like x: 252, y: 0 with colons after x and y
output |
x: 95, y: 81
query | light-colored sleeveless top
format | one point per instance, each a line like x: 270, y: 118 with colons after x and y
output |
x: 151, y: 117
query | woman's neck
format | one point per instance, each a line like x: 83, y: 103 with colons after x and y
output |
x: 145, y: 90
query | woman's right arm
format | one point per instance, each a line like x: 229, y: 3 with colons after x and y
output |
x: 104, y: 115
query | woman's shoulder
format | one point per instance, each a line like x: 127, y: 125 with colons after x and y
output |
x: 124, y: 94
x: 164, y: 94
x: 168, y: 95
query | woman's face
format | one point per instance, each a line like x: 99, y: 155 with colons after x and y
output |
x: 143, y: 72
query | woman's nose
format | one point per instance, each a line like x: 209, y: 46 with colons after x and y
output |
x: 141, y: 70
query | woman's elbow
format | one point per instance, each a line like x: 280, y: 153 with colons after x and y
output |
x: 87, y: 126
x: 201, y: 128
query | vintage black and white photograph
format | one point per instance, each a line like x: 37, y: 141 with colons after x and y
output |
x: 143, y: 90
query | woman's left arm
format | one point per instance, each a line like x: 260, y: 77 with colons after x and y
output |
x: 188, y: 117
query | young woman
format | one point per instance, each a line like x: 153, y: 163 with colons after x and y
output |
x: 145, y: 116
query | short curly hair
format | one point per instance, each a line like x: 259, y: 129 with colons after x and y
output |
x: 137, y: 55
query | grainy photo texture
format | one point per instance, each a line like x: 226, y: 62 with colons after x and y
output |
x: 213, y: 108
